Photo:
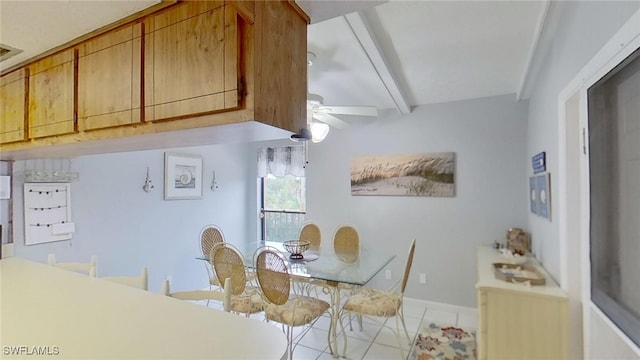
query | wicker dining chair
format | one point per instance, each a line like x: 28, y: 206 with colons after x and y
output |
x: 379, y: 303
x: 140, y: 282
x: 290, y: 310
x: 311, y: 232
x: 346, y: 243
x: 89, y: 268
x: 210, y: 235
x: 228, y: 264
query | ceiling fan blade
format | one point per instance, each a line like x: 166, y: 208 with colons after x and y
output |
x: 331, y: 120
x: 349, y: 110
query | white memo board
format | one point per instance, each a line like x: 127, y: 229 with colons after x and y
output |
x: 47, y: 212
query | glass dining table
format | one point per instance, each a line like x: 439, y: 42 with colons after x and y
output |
x: 329, y: 271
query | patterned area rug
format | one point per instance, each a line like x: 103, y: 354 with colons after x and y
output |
x: 444, y: 342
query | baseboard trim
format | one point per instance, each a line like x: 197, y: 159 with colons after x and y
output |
x: 440, y: 306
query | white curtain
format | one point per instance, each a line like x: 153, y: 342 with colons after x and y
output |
x: 281, y: 161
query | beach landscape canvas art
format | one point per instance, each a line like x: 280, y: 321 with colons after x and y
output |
x: 429, y: 174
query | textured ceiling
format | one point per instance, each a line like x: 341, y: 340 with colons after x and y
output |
x: 434, y: 51
x: 37, y: 26
x: 438, y: 51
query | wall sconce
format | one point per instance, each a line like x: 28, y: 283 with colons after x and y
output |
x: 148, y: 185
x: 214, y: 184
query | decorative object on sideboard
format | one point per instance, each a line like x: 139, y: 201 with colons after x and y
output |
x: 518, y: 241
x: 148, y: 184
x: 428, y: 174
x: 513, y: 257
x: 214, y: 184
x: 182, y: 176
x: 518, y: 274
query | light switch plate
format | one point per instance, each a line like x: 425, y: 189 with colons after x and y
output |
x: 5, y: 187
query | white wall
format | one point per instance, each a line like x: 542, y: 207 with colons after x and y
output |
x: 488, y: 136
x: 128, y: 228
x: 606, y: 343
x: 583, y: 29
x: 4, y: 205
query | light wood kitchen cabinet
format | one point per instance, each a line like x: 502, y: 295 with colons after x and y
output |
x: 186, y: 73
x: 13, y: 114
x: 110, y: 79
x: 516, y: 321
x: 52, y: 95
x: 191, y: 60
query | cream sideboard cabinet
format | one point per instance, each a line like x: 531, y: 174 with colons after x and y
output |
x: 517, y: 321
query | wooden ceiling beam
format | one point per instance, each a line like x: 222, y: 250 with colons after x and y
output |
x: 360, y: 27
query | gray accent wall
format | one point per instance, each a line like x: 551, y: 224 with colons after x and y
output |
x: 128, y: 228
x: 488, y: 138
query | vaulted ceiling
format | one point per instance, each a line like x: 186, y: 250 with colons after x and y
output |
x: 388, y: 54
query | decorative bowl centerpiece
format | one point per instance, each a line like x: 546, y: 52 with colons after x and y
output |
x: 296, y: 248
x: 513, y: 257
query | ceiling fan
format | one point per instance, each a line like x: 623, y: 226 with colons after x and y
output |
x: 320, y: 116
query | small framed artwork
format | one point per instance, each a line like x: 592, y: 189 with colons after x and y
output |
x: 533, y: 195
x: 543, y: 194
x: 182, y: 176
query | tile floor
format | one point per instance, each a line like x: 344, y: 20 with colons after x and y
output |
x: 374, y: 341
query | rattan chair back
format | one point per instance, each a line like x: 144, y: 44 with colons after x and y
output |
x: 346, y: 243
x: 407, y: 267
x: 311, y: 233
x: 228, y: 264
x: 273, y: 276
x: 209, y: 236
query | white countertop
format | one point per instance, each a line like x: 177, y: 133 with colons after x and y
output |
x: 90, y: 318
x: 486, y: 277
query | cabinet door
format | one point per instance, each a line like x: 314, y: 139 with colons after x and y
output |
x: 521, y: 325
x: 13, y: 117
x: 191, y: 60
x: 109, y: 79
x: 51, y: 95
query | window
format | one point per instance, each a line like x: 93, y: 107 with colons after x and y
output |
x: 614, y: 166
x: 283, y: 207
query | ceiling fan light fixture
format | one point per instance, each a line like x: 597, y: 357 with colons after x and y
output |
x: 319, y: 132
x: 303, y: 135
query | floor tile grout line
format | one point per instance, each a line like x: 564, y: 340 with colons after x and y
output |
x: 374, y: 338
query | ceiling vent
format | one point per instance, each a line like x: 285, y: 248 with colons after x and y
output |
x: 7, y: 51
